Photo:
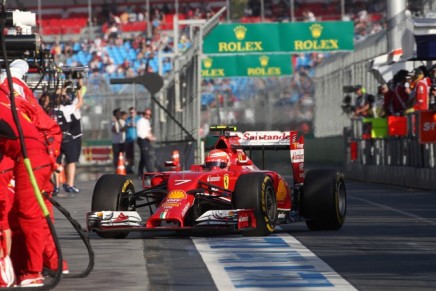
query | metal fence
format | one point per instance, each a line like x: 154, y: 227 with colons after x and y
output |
x: 388, y: 149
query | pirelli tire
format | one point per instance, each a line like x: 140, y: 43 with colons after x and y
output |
x: 256, y: 191
x: 108, y: 195
x: 324, y: 200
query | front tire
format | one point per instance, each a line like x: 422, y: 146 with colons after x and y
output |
x: 324, y: 202
x: 256, y: 191
x: 110, y: 194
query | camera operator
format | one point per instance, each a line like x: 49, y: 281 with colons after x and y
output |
x: 363, y: 103
x: 67, y: 113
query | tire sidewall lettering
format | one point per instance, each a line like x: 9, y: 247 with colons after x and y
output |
x: 268, y: 222
x: 126, y: 185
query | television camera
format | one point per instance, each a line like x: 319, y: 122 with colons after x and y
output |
x: 44, y: 76
x: 18, y: 41
x: 347, y: 106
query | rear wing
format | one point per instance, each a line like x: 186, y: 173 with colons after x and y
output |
x: 269, y: 140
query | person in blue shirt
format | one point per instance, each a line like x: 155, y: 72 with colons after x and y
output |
x: 131, y: 136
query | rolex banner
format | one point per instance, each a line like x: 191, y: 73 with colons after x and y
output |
x: 280, y: 37
x: 254, y: 65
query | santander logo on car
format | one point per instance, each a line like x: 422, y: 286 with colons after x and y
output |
x: 263, y: 137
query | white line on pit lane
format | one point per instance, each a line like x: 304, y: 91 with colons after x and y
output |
x: 408, y: 214
x: 278, y: 262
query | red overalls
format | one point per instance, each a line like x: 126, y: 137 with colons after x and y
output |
x: 30, y: 232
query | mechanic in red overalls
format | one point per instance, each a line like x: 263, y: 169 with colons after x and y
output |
x: 421, y: 90
x: 26, y: 218
x: 31, y: 235
x: 7, y: 276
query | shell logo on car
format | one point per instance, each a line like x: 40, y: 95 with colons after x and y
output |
x: 176, y: 194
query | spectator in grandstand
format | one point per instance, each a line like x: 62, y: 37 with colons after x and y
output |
x: 124, y: 17
x: 145, y: 142
x: 166, y: 9
x: 114, y: 18
x: 111, y: 34
x: 157, y: 18
x: 56, y: 50
x: 95, y: 63
x: 362, y: 104
x: 308, y: 16
x: 118, y: 135
x: 131, y: 136
x: 110, y: 67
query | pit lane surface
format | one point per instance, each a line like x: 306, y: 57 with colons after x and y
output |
x: 387, y: 243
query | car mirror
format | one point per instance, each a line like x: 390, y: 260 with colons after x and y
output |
x: 170, y: 164
x: 244, y: 162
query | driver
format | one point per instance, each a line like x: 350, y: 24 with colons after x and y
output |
x: 217, y: 159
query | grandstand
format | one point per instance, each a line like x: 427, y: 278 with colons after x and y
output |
x: 73, y: 16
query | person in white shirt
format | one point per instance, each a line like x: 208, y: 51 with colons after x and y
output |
x: 145, y: 139
x: 67, y: 114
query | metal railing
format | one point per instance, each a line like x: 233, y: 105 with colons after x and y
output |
x: 393, y: 145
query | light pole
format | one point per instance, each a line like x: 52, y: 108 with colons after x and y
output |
x: 262, y: 10
x: 147, y: 17
x: 40, y: 17
x: 91, y: 36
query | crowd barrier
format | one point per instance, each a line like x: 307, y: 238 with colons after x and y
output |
x: 397, y: 149
x: 100, y: 153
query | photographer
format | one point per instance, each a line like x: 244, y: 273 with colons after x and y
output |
x: 67, y: 113
x: 362, y: 106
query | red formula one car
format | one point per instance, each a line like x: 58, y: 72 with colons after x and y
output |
x: 227, y: 192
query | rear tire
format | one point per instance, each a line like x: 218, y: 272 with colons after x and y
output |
x: 324, y: 201
x: 256, y: 191
x: 108, y: 195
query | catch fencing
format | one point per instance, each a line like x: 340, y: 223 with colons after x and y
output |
x: 176, y: 107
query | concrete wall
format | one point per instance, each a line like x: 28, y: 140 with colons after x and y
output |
x: 325, y: 150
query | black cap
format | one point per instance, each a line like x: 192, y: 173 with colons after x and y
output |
x: 418, y: 72
x: 403, y: 73
x: 115, y: 111
x: 357, y: 87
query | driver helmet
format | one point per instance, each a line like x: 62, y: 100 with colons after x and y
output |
x: 217, y: 158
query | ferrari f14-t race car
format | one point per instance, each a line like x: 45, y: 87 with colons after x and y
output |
x: 227, y: 192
